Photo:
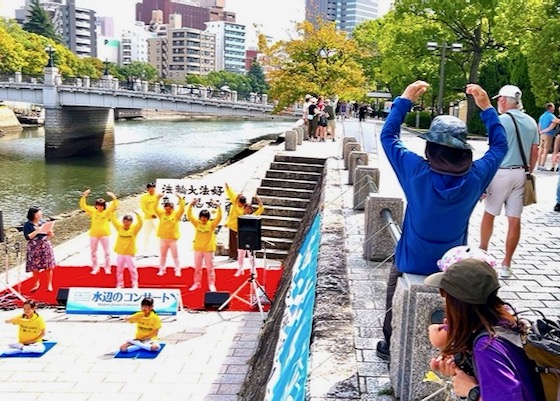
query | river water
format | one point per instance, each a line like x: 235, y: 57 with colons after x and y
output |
x: 144, y: 151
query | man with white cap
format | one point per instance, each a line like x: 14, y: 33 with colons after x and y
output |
x: 441, y: 190
x: 508, y: 184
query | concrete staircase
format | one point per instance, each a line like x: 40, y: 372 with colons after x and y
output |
x: 285, y: 192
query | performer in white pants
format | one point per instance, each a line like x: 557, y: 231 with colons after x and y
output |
x: 31, y: 331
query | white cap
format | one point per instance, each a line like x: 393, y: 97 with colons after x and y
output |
x: 307, y: 97
x: 509, y: 91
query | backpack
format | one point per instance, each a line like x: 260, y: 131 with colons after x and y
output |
x: 542, y: 346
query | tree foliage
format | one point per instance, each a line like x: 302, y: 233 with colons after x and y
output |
x: 322, y: 61
x: 257, y: 78
x: 40, y: 22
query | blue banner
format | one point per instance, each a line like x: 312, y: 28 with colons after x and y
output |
x: 121, y: 301
x: 289, y: 372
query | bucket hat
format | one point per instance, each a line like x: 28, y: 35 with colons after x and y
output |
x: 471, y: 281
x: 448, y: 131
x: 462, y: 252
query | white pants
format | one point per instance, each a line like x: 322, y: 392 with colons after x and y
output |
x: 149, y: 228
x: 164, y: 246
x: 241, y: 255
x: 208, y: 258
x: 94, y: 244
x: 124, y: 261
x: 19, y: 348
x: 145, y: 345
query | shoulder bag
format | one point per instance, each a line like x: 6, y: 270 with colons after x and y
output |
x: 530, y: 193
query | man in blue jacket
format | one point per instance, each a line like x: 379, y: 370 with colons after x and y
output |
x: 441, y: 189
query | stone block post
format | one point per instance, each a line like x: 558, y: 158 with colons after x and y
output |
x: 347, y: 139
x: 234, y: 96
x: 86, y: 81
x: 203, y: 92
x: 378, y: 244
x: 355, y: 159
x: 366, y: 181
x: 18, y: 77
x: 413, y: 306
x: 350, y: 147
x: 115, y: 85
x: 145, y: 86
x: 291, y: 140
x: 264, y: 99
x: 174, y: 89
x: 301, y: 133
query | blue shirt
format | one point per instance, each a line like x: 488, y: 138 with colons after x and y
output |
x: 545, y: 120
x: 439, y: 205
x: 527, y: 131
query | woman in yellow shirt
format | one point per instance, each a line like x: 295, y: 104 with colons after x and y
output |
x: 99, y: 230
x: 125, y: 248
x: 238, y: 202
x: 168, y: 233
x: 243, y: 253
x: 148, y: 324
x: 31, y: 331
x: 204, y: 244
x: 148, y: 204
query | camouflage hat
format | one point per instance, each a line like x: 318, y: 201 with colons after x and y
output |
x: 448, y: 131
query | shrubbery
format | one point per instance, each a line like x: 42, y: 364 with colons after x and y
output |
x: 424, y: 123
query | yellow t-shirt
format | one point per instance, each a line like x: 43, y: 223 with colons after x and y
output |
x: 148, y: 203
x: 169, y: 223
x: 144, y: 324
x: 99, y: 220
x: 126, y: 239
x: 29, y: 329
x: 234, y: 211
x: 204, y: 237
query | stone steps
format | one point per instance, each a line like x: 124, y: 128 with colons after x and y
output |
x: 299, y: 167
x: 293, y: 175
x: 286, y: 202
x: 283, y: 183
x: 285, y: 192
x: 284, y: 211
x: 280, y: 221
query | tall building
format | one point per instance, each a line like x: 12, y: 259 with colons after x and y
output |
x: 78, y: 29
x: 230, y: 45
x: 345, y: 13
x: 182, y: 51
x: 134, y: 44
x: 193, y: 16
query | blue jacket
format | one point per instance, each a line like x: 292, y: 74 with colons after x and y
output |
x: 438, y: 205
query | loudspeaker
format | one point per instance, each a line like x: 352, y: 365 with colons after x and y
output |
x: 249, y: 233
x: 1, y: 228
x: 62, y: 296
x: 215, y: 299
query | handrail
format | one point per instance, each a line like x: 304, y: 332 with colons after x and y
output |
x: 393, y: 227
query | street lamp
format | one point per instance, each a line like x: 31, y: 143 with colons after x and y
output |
x: 455, y: 47
x: 106, y: 64
x: 50, y: 51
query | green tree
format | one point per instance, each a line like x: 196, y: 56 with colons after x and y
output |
x: 321, y: 61
x: 137, y: 69
x: 257, y: 78
x: 40, y: 22
x: 11, y: 52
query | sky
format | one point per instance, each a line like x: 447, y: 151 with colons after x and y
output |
x: 273, y: 17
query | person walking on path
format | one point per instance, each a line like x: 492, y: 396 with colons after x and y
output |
x: 441, y: 191
x: 168, y: 233
x: 547, y: 130
x: 40, y: 254
x: 125, y: 247
x: 238, y: 202
x: 99, y: 230
x: 331, y: 118
x: 31, y: 331
x: 243, y: 253
x: 204, y: 244
x: 508, y: 186
x: 148, y: 204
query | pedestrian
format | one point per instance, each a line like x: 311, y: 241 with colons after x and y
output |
x: 331, y: 119
x: 362, y: 112
x: 204, y: 243
x: 99, y: 230
x: 31, y: 331
x: 246, y: 253
x: 237, y: 203
x: 441, y: 190
x: 547, y: 130
x: 148, y: 324
x: 556, y: 145
x: 484, y: 333
x: 168, y: 233
x: 508, y: 186
x: 40, y: 254
x: 148, y: 204
x: 313, y: 117
x: 305, y: 113
x: 125, y: 247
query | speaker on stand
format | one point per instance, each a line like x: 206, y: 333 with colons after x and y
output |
x: 249, y: 233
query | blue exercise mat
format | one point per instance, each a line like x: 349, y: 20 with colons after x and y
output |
x: 48, y: 346
x: 140, y: 354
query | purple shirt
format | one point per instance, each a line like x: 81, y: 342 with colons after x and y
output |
x: 504, y: 372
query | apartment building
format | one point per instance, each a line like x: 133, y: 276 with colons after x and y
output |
x: 230, y: 45
x: 346, y: 13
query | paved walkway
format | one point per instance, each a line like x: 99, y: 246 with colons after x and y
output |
x: 208, y: 352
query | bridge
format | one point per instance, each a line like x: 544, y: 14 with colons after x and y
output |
x: 79, y: 117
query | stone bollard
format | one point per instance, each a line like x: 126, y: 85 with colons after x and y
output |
x: 264, y: 99
x: 378, y: 246
x: 356, y: 159
x: 234, y: 96
x: 115, y: 85
x: 362, y: 188
x: 291, y: 140
x: 413, y: 306
x: 348, y: 139
x: 350, y: 147
x: 86, y: 81
x: 300, y: 132
x: 174, y: 89
x: 18, y: 77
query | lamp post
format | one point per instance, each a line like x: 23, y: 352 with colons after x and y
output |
x: 50, y: 51
x: 456, y: 47
x: 106, y: 69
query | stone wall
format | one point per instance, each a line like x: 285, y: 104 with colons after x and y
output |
x: 7, y: 118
